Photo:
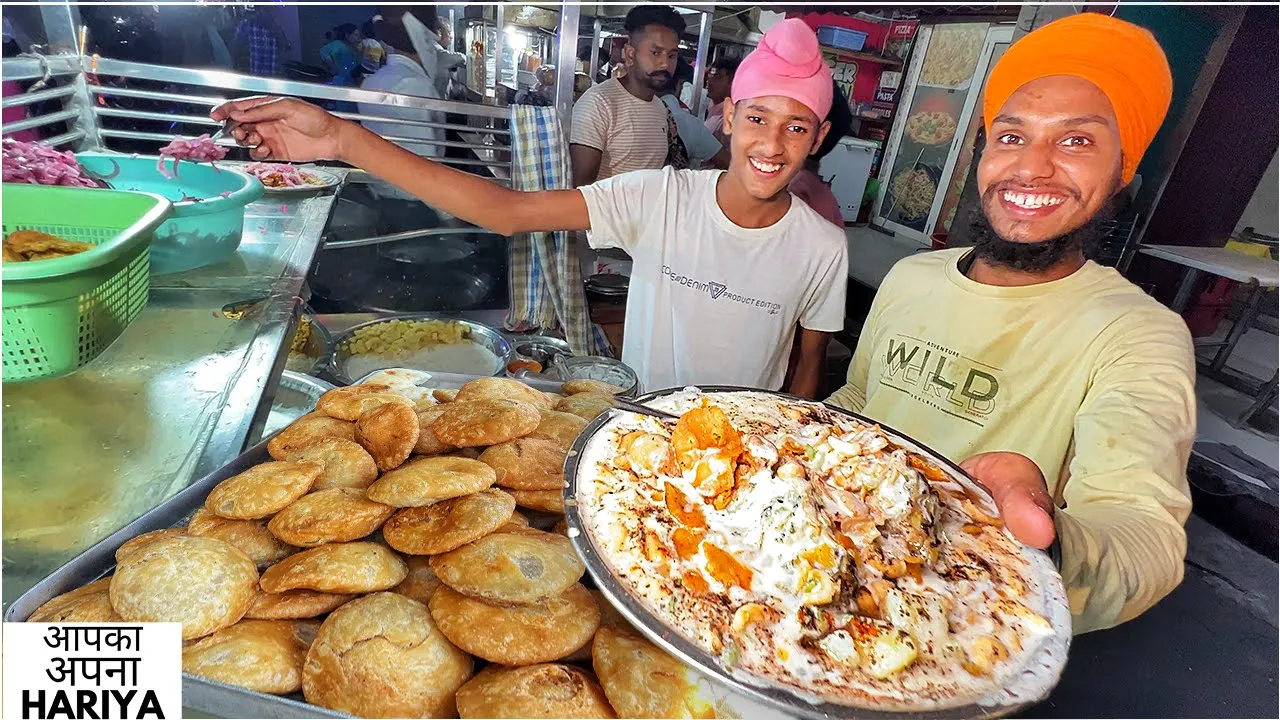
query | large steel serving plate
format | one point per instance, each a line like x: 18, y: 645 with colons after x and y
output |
x: 1047, y: 661
x: 98, y: 561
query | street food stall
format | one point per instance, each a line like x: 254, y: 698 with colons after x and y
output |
x: 410, y: 456
x: 264, y: 436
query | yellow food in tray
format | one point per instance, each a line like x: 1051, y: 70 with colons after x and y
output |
x: 301, y: 337
x: 29, y: 245
x: 401, y: 337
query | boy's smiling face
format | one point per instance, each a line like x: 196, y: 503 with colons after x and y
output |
x: 770, y: 137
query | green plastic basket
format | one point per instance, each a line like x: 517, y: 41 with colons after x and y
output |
x: 60, y: 314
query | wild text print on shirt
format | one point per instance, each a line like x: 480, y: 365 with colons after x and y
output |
x: 719, y: 291
x: 941, y: 378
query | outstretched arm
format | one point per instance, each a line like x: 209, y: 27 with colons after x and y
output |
x: 293, y: 130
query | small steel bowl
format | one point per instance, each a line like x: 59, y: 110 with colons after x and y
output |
x: 545, y: 350
x: 295, y: 396
x: 603, y: 369
x: 494, y: 341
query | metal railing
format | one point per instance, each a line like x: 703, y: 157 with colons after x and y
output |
x: 54, y: 79
x: 106, y: 101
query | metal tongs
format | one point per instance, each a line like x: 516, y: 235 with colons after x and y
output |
x: 635, y: 407
x: 224, y: 132
x: 619, y: 403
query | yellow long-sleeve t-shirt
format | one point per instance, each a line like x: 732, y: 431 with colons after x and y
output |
x: 1088, y: 376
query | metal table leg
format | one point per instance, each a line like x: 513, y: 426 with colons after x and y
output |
x: 1266, y: 394
x: 1185, y: 289
x: 1238, y: 328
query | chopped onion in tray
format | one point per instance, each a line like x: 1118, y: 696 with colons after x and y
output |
x: 38, y: 164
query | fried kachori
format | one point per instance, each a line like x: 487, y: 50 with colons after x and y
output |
x: 261, y: 655
x: 423, y: 481
x: 587, y: 405
x: 421, y: 582
x: 574, y: 387
x: 536, y: 691
x: 335, y: 515
x: 137, y: 543
x: 521, y: 634
x: 203, y: 583
x: 448, y: 525
x: 527, y: 463
x: 547, y: 501
x: 262, y: 490
x: 389, y: 432
x: 642, y: 681
x: 559, y: 427
x: 352, y: 401
x: 346, y: 463
x: 354, y: 567
x: 306, y: 430
x: 251, y: 536
x: 86, y: 604
x: 495, y: 388
x: 519, y: 567
x: 480, y: 423
x: 382, y: 656
x: 428, y: 443
x: 294, y: 604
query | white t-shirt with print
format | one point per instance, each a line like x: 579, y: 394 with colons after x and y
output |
x: 711, y: 302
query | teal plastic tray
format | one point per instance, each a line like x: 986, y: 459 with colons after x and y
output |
x: 199, y: 232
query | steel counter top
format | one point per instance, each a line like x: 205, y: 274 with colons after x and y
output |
x: 173, y: 399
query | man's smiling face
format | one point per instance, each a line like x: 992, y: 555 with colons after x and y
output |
x: 1052, y: 160
x: 770, y: 137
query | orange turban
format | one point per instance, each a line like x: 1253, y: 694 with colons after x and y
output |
x: 1122, y: 59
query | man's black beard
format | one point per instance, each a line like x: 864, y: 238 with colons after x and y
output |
x: 1039, y: 256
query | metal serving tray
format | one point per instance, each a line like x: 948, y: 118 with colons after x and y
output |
x: 1051, y: 656
x: 98, y: 561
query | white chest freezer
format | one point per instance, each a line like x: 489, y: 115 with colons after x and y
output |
x: 847, y: 167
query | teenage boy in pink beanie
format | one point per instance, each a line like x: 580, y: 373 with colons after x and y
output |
x: 727, y: 264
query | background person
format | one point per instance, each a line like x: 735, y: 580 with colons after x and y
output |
x: 621, y: 125
x: 808, y: 185
x: 259, y: 39
x: 341, y: 55
x: 403, y: 74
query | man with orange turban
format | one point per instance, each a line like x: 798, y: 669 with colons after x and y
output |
x: 1059, y: 385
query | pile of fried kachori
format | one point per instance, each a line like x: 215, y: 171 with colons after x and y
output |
x: 379, y: 565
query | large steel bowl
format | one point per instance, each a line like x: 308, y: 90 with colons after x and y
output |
x: 483, y: 335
